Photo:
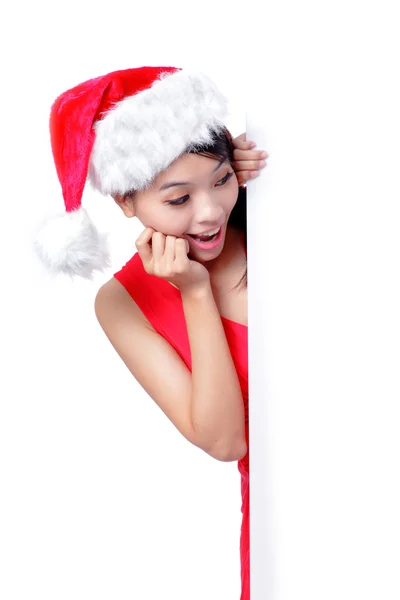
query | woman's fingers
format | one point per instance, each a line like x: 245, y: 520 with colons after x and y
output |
x: 249, y: 154
x: 181, y: 251
x: 159, y: 252
x: 248, y: 165
x: 143, y: 245
x: 169, y: 254
x: 240, y: 142
x: 244, y: 176
x: 158, y: 246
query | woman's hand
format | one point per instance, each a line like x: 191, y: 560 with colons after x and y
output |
x: 165, y: 256
x: 247, y: 163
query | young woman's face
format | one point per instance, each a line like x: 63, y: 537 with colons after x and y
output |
x: 201, y: 203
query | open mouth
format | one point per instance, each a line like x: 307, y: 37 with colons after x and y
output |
x: 209, y: 241
x: 206, y: 237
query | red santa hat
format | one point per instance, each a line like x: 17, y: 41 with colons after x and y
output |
x: 120, y: 131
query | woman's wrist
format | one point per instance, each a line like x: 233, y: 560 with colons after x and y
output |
x: 197, y: 291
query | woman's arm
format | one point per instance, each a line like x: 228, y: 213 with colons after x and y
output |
x: 217, y: 410
x: 209, y: 397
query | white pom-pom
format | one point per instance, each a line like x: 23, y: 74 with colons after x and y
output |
x: 71, y: 244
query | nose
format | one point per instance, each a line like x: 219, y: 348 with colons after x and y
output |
x: 208, y: 212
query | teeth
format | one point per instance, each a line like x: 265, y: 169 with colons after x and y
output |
x: 209, y: 234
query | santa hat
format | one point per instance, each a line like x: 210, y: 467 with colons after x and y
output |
x: 120, y: 131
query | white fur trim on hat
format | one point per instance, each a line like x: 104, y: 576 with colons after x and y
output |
x: 143, y: 134
x: 71, y: 244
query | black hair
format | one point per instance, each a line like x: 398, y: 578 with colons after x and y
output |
x: 221, y: 148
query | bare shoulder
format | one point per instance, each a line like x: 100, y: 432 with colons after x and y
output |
x: 111, y: 298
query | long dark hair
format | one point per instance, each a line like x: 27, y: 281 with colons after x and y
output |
x: 221, y: 148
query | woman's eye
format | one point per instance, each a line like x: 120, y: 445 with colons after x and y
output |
x: 182, y: 200
x: 178, y: 201
x: 225, y: 179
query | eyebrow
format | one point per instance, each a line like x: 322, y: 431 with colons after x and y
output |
x: 172, y: 184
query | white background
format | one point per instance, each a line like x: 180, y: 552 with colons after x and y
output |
x: 324, y: 275
x: 100, y: 496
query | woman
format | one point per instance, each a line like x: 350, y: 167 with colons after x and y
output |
x: 161, y: 149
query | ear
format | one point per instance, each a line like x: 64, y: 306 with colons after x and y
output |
x: 126, y: 204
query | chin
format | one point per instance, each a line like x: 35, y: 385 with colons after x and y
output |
x: 204, y: 259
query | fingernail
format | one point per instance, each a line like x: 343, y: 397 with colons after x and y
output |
x: 262, y: 163
x: 264, y: 154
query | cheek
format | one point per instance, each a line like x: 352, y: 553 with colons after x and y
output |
x: 174, y: 224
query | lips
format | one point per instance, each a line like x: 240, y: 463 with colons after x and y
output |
x: 208, y: 244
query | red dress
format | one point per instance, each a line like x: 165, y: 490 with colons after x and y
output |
x: 161, y: 304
